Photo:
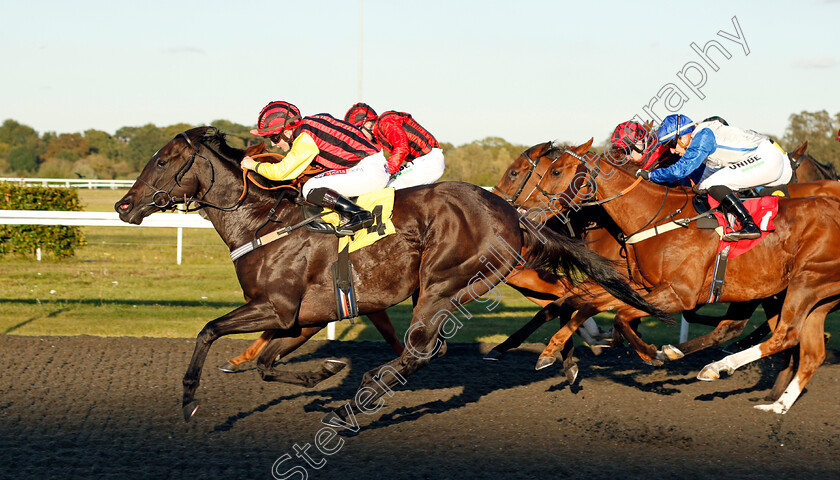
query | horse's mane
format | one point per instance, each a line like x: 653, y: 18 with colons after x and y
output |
x: 214, y: 138
x: 827, y: 169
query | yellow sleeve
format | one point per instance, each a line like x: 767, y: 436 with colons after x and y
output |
x: 294, y: 163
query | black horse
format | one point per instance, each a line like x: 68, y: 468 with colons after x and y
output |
x: 453, y: 243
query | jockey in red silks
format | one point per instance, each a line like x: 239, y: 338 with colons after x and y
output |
x: 416, y: 157
x: 352, y: 164
x: 637, y: 143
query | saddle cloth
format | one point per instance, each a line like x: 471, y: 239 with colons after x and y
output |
x: 381, y: 204
x: 762, y: 209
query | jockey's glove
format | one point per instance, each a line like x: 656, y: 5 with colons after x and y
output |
x: 643, y: 173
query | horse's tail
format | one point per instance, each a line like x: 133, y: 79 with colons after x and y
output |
x: 562, y: 255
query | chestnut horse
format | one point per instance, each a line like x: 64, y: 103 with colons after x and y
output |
x: 519, y: 184
x: 453, y: 243
x: 802, y: 257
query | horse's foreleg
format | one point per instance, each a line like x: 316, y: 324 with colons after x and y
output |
x: 622, y: 322
x: 772, y: 309
x: 549, y: 312
x: 723, y: 332
x: 249, y: 354
x: 561, y: 340
x: 382, y: 322
x: 251, y: 317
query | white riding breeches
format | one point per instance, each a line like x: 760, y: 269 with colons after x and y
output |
x: 768, y: 166
x: 420, y: 171
x: 371, y: 173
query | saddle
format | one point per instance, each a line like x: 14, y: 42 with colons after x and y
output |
x: 381, y: 205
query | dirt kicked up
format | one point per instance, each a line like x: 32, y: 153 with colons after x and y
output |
x: 90, y: 407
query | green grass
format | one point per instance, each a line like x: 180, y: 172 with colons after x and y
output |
x: 126, y: 282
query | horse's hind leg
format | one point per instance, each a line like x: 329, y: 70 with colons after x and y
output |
x: 279, y: 347
x: 811, y: 356
x: 249, y: 354
x: 382, y: 322
x: 785, y: 375
x: 433, y: 322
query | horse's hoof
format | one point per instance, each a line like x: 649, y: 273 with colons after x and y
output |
x: 608, y: 336
x: 493, y: 356
x: 228, y: 367
x: 572, y: 373
x: 773, y: 407
x: 189, y: 410
x: 334, y: 366
x: 543, y: 362
x: 336, y: 418
x: 708, y: 374
x: 669, y: 353
x: 654, y: 362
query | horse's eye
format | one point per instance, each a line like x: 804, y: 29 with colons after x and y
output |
x: 556, y: 173
x: 161, y: 162
x: 514, y: 173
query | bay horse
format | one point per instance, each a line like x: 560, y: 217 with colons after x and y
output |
x: 808, y: 169
x: 802, y: 258
x: 454, y: 243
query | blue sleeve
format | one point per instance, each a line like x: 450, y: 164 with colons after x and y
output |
x: 702, y: 145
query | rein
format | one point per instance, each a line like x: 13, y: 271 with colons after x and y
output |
x: 594, y: 171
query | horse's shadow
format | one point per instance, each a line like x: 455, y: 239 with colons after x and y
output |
x: 478, y: 378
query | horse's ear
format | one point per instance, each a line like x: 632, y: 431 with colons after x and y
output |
x: 583, y: 148
x: 800, y: 150
x: 255, y: 149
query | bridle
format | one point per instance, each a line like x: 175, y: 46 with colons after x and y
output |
x: 164, y: 200
x: 531, y: 171
x: 592, y: 173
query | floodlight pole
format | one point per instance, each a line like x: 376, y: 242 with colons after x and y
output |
x: 361, y: 2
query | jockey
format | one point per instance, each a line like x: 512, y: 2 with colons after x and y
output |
x: 636, y: 142
x: 416, y: 157
x: 353, y: 165
x: 734, y: 159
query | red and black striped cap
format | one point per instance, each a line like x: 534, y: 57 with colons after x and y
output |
x: 359, y: 114
x: 275, y: 118
x: 626, y: 134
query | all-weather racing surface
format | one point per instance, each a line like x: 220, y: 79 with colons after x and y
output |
x: 92, y: 407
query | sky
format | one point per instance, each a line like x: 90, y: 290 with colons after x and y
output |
x: 527, y: 71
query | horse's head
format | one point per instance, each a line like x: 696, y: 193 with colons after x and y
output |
x: 567, y: 180
x: 522, y: 176
x: 173, y: 176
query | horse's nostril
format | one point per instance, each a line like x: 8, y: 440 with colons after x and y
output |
x: 124, y: 206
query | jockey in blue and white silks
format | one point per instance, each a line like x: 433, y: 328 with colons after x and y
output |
x: 720, y: 159
x: 733, y: 157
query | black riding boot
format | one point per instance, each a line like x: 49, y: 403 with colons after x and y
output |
x: 732, y: 204
x: 356, y: 217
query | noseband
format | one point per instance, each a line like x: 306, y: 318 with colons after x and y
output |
x: 531, y: 171
x: 163, y: 199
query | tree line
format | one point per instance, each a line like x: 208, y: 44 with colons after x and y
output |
x: 98, y: 154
